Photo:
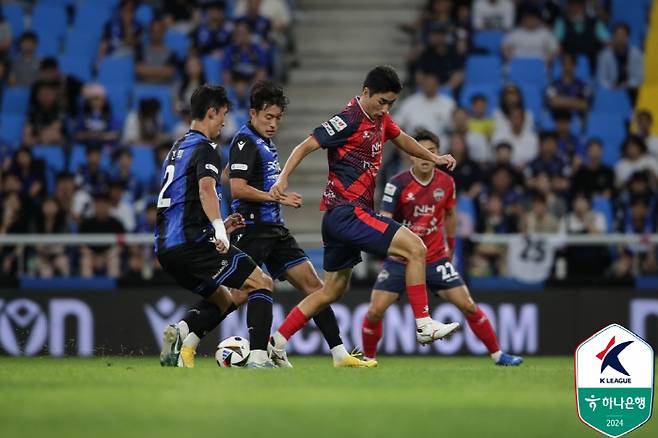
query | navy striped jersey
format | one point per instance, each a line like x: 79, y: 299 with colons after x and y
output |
x: 256, y: 160
x: 181, y: 218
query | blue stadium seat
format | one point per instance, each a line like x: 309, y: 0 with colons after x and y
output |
x: 604, y: 206
x: 78, y: 157
x: 611, y: 129
x: 213, y: 68
x: 49, y: 21
x: 15, y: 100
x: 488, y: 90
x: 115, y: 70
x: 78, y: 67
x: 144, y: 163
x: 80, y: 43
x: 466, y: 207
x: 90, y: 16
x: 178, y: 42
x: 14, y: 14
x: 633, y: 13
x: 11, y: 128
x: 144, y: 15
x: 612, y: 102
x: 53, y: 156
x: 160, y: 92
x: 489, y: 40
x: 49, y: 47
x: 533, y: 99
x: 484, y: 69
x: 527, y: 70
x: 583, y: 69
x: 118, y: 95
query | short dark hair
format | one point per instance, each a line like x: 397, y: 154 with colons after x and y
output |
x: 547, y: 135
x: 562, y: 115
x: 28, y: 35
x: 503, y: 145
x: 49, y: 63
x: 621, y: 25
x: 206, y: 97
x: 425, y: 135
x: 382, y: 79
x: 478, y: 96
x: 267, y: 93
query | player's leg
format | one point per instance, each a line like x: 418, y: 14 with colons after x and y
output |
x: 478, y: 321
x: 373, y: 326
x: 407, y: 245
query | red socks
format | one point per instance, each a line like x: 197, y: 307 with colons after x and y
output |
x: 417, y: 295
x: 481, y: 326
x: 371, y: 333
x: 293, y: 323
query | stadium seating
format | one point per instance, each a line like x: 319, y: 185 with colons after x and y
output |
x: 78, y: 67
x: 11, y: 128
x: 488, y: 90
x: 603, y: 205
x: 49, y: 22
x: 634, y: 14
x: 484, y: 69
x: 212, y: 66
x: 78, y: 44
x: 612, y: 102
x: 533, y: 99
x: 78, y: 157
x: 611, y: 129
x: 583, y: 69
x: 118, y: 95
x: 178, y: 42
x: 488, y: 40
x: 15, y: 100
x: 160, y: 92
x: 115, y: 70
x: 144, y: 163
x: 527, y: 71
x: 144, y: 14
x: 14, y: 13
x: 55, y: 161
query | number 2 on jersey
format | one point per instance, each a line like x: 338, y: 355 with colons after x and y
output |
x: 169, y: 177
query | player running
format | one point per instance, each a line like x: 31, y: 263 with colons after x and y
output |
x: 254, y: 168
x: 354, y: 140
x: 191, y: 240
x: 423, y: 199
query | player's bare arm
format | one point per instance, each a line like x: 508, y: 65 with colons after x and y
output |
x: 298, y: 154
x: 234, y: 222
x: 412, y: 147
x: 210, y: 205
x: 450, y: 223
x: 240, y: 189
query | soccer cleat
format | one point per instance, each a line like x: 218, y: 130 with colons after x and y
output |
x: 267, y: 364
x: 354, y: 360
x: 509, y: 360
x: 186, y: 358
x: 435, y: 330
x: 278, y: 355
x: 171, y: 344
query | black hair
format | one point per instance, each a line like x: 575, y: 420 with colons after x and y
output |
x: 478, y: 96
x: 64, y: 175
x: 29, y: 35
x: 267, y: 93
x: 547, y: 135
x: 49, y: 63
x: 215, y: 5
x: 538, y: 196
x: 382, y: 79
x: 504, y: 106
x: 425, y: 135
x: 621, y: 25
x: 503, y: 145
x: 562, y: 115
x: 585, y: 195
x: 206, y: 97
x: 633, y: 139
x: 186, y: 79
x: 645, y: 113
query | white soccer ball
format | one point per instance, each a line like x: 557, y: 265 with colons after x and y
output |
x: 232, y: 352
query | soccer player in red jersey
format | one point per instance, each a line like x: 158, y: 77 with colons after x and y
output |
x: 354, y: 140
x: 423, y: 200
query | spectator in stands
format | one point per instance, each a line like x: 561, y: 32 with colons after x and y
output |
x: 531, y: 39
x: 579, y: 34
x: 523, y: 139
x: 64, y: 194
x: 31, y: 172
x: 260, y: 25
x: 501, y: 183
x: 493, y: 14
x: 583, y: 220
x: 120, y: 209
x: 644, y: 130
x: 244, y: 56
x: 540, y: 219
x: 25, y: 65
x: 594, y: 178
x: 45, y: 117
x: 122, y: 33
x: 90, y: 176
x: 568, y: 143
x: 568, y: 93
x: 68, y: 87
x: 51, y: 260
x: 478, y: 120
x: 213, y: 35
x: 193, y: 77
x: 5, y: 46
x: 478, y: 146
x: 510, y: 97
x: 123, y: 173
x: 488, y: 258
x: 144, y: 125
x: 181, y: 15
x: 442, y: 59
x: 100, y: 258
x: 95, y: 126
x: 426, y: 109
x: 551, y: 162
x: 620, y: 66
x: 634, y: 159
x: 239, y: 93
x: 467, y: 174
x: 155, y: 62
x: 503, y: 157
x: 13, y: 220
x: 640, y: 218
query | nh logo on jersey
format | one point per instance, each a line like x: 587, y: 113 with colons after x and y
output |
x: 614, y: 372
x: 423, y: 210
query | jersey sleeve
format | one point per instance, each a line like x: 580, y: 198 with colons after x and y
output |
x: 334, y: 132
x: 391, y: 129
x: 391, y: 196
x: 208, y: 163
x: 242, y: 158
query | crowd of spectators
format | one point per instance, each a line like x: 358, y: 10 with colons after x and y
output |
x: 531, y: 157
x: 86, y: 121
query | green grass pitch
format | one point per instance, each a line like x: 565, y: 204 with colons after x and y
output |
x: 404, y: 397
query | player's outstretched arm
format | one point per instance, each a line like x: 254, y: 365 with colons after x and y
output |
x: 240, y: 189
x: 298, y: 154
x: 210, y: 205
x: 412, y: 147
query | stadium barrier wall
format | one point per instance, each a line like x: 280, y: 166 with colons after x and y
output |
x: 129, y: 321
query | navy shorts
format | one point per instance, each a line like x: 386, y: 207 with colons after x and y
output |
x: 440, y: 275
x: 347, y: 230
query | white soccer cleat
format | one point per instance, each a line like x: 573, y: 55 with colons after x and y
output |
x: 278, y: 355
x: 434, y: 330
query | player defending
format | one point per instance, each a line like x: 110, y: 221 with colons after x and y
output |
x: 423, y: 199
x: 354, y: 140
x: 254, y: 168
x: 191, y: 240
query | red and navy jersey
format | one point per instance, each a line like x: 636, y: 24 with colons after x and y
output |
x: 354, y: 150
x: 421, y: 207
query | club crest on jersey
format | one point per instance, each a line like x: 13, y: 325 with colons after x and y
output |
x: 439, y: 194
x: 338, y: 123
